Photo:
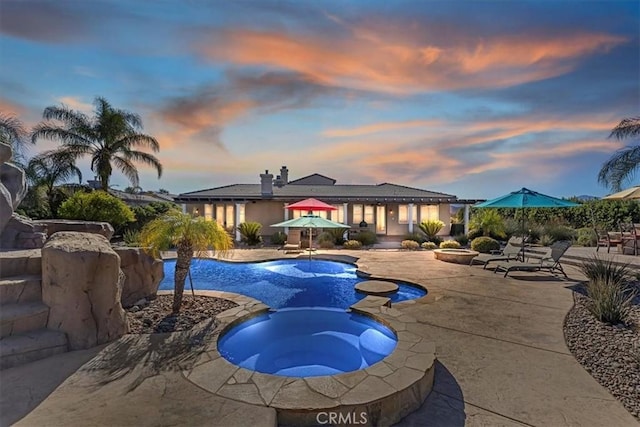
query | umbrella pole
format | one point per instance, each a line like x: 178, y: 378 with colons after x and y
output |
x: 309, y: 244
x: 523, y: 234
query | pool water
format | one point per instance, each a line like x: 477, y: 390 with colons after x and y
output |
x: 284, y: 283
x: 307, y: 342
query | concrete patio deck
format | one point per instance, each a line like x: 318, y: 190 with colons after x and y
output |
x: 502, y: 360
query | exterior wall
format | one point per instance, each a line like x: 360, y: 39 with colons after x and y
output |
x: 445, y: 216
x: 266, y: 212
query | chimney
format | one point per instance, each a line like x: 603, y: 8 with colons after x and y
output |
x: 284, y: 175
x: 266, y: 184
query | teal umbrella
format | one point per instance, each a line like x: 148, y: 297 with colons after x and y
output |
x: 525, y: 198
x: 310, y: 222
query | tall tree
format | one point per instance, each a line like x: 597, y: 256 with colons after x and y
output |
x: 48, y: 170
x: 188, y: 235
x: 13, y: 133
x: 110, y: 138
x: 624, y: 163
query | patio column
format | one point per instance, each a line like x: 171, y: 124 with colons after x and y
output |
x: 466, y: 219
x: 410, y: 217
x: 237, y: 221
x: 184, y: 207
x: 345, y: 215
x: 286, y: 217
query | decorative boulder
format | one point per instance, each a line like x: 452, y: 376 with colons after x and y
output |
x: 21, y: 233
x: 142, y: 272
x: 82, y: 285
x: 95, y: 227
x: 14, y: 180
x: 6, y: 206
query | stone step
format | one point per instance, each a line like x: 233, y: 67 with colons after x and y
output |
x: 17, y: 289
x: 17, y: 262
x: 22, y: 317
x: 31, y: 346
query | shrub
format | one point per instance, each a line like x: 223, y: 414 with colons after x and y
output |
x: 326, y: 244
x: 411, y: 245
x: 437, y: 240
x: 586, y: 237
x: 334, y: 235
x: 485, y: 244
x: 97, y: 206
x: 131, y: 238
x: 431, y: 227
x: 352, y: 244
x: 546, y: 240
x: 429, y: 246
x: 416, y: 236
x: 490, y: 222
x: 610, y: 297
x: 463, y: 239
x: 250, y: 232
x: 278, y: 238
x: 560, y: 232
x: 449, y: 244
x: 366, y: 238
x: 147, y: 213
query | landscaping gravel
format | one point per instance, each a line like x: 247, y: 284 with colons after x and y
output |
x: 149, y: 317
x: 610, y: 353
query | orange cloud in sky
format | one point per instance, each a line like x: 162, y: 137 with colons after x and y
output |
x: 379, y: 127
x: 384, y: 62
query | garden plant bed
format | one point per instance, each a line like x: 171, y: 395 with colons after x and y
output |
x: 610, y: 353
x: 156, y: 316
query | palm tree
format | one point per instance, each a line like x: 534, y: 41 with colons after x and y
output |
x: 188, y: 235
x: 624, y: 163
x: 48, y: 170
x: 110, y: 138
x: 489, y: 221
x: 13, y: 133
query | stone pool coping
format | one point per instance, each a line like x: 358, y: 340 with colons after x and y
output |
x: 386, y: 391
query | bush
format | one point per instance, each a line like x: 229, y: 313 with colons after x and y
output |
x: 586, y: 236
x: 366, y: 238
x: 560, y: 232
x: 411, y: 245
x: 485, y: 244
x: 147, y: 213
x: 334, y: 235
x: 97, y: 206
x: 250, y: 232
x: 463, y: 239
x: 326, y: 244
x: 429, y: 246
x: 415, y: 236
x: 437, y: 240
x: 449, y: 244
x: 431, y: 227
x: 278, y: 238
x: 546, y: 240
x: 610, y: 297
x: 131, y: 238
x: 489, y: 222
x: 352, y: 244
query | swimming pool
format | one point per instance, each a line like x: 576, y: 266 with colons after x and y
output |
x: 284, y: 283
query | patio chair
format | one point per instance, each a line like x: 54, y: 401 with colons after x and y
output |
x: 629, y: 238
x: 511, y: 252
x: 551, y: 262
x: 292, y: 245
x: 607, y: 239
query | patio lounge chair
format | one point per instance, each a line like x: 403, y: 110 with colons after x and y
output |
x: 511, y: 252
x: 292, y: 245
x: 551, y: 262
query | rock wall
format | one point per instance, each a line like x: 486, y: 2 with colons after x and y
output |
x: 13, y: 185
x: 143, y: 275
x: 82, y: 285
x: 94, y: 227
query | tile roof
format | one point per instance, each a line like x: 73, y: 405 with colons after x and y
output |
x: 328, y: 193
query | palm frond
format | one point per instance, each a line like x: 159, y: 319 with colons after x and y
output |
x: 71, y: 118
x: 139, y: 140
x: 145, y: 158
x: 620, y: 168
x: 65, y: 136
x: 13, y: 133
x: 627, y: 128
x: 128, y: 169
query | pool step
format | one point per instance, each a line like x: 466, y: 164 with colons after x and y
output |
x: 371, y: 301
x: 31, y: 346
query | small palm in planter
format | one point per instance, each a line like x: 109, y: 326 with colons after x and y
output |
x: 431, y: 228
x: 189, y: 235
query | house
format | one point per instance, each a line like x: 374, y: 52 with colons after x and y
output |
x: 388, y: 209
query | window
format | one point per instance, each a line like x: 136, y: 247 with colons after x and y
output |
x: 228, y: 218
x: 338, y: 215
x: 208, y: 212
x: 241, y: 216
x: 220, y: 214
x: 403, y: 214
x: 429, y: 212
x: 368, y: 214
x: 358, y: 214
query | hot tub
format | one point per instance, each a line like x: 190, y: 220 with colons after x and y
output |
x: 307, y: 342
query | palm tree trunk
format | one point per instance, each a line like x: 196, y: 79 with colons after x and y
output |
x: 183, y: 263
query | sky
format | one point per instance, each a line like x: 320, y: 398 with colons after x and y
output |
x: 471, y: 98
